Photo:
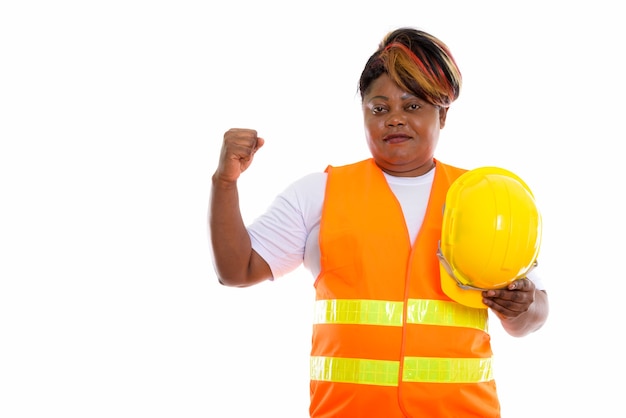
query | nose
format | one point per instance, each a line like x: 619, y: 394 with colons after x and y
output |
x: 395, y: 119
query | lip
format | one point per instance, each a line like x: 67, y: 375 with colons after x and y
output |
x: 396, y: 138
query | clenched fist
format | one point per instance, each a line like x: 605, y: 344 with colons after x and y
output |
x: 237, y: 153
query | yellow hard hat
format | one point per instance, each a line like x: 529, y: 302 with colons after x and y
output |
x: 490, y: 236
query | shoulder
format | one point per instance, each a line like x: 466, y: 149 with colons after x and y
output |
x: 307, y: 192
x: 359, y: 165
x: 308, y: 183
x: 449, y: 168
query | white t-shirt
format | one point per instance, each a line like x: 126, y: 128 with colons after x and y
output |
x: 287, y: 234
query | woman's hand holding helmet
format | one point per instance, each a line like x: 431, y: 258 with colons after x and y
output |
x: 512, y: 301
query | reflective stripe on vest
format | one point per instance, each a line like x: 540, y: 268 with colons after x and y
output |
x: 416, y: 369
x: 389, y: 313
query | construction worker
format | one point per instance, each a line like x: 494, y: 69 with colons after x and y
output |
x: 387, y: 340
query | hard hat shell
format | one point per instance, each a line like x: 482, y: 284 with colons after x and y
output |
x: 491, y: 234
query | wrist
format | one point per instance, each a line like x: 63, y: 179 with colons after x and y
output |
x: 220, y: 182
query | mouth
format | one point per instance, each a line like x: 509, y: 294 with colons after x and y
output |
x: 396, y: 138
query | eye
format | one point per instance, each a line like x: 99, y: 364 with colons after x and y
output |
x: 377, y: 109
x: 413, y: 106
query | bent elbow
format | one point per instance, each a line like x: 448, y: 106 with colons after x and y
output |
x: 231, y: 281
x: 236, y: 281
x: 256, y: 270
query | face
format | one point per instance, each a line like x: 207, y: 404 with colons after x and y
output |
x: 402, y: 130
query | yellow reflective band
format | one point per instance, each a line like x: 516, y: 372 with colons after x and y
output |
x: 444, y: 313
x: 416, y: 370
x: 352, y: 370
x: 447, y: 370
x: 389, y: 313
x: 358, y: 311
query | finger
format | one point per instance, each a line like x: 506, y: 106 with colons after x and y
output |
x: 242, y: 132
x: 524, y: 284
x: 259, y: 143
x: 241, y: 145
x: 505, y: 307
x: 247, y: 137
x: 506, y: 295
x: 520, y: 291
x: 249, y: 146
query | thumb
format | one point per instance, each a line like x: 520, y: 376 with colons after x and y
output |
x: 259, y: 143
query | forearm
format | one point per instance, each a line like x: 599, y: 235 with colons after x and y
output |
x: 531, y: 320
x: 230, y: 241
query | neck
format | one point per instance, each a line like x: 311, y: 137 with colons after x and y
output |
x: 415, y: 172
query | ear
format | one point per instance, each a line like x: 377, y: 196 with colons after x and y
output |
x: 443, y: 112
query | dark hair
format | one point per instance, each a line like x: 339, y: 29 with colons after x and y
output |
x: 419, y: 63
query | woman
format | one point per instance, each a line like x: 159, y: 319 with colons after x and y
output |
x: 387, y: 341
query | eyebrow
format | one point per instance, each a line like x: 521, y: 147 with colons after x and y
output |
x: 404, y: 97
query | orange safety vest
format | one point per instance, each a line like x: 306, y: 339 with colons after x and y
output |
x: 387, y: 342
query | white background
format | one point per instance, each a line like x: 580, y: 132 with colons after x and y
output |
x: 111, y: 120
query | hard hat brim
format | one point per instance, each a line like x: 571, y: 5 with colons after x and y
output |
x: 467, y: 297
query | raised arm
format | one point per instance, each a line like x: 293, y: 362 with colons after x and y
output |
x: 236, y: 263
